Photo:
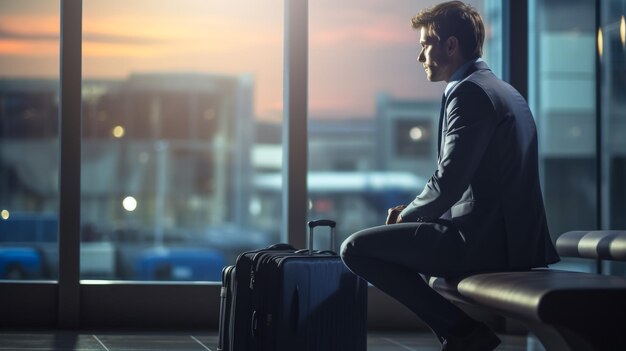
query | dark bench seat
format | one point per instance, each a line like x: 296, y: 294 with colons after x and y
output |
x: 566, y: 310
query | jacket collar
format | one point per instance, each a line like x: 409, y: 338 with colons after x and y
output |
x: 464, y: 71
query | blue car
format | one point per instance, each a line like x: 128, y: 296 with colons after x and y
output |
x: 20, y: 263
x: 179, y: 264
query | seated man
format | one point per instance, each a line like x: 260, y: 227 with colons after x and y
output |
x: 482, y: 209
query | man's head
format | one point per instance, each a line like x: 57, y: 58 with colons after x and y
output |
x: 450, y: 34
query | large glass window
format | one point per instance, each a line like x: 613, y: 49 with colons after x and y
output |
x: 179, y: 100
x: 562, y: 97
x: 373, y: 116
x: 29, y: 144
x: 182, y: 119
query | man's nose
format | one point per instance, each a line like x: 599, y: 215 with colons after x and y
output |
x: 421, y: 57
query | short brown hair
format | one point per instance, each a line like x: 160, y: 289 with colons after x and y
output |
x: 454, y: 18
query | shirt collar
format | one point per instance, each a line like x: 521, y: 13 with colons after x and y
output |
x: 459, y: 74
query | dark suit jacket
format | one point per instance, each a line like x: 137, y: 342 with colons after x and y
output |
x: 487, y: 178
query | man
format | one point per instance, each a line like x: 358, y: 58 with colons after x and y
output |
x: 482, y: 209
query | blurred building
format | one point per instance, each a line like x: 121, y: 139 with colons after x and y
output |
x: 28, y: 143
x: 179, y: 144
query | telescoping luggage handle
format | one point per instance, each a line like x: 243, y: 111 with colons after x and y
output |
x: 322, y: 223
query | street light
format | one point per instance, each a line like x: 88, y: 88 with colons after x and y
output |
x: 129, y: 203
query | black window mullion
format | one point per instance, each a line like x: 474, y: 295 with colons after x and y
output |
x: 295, y: 135
x: 70, y: 163
x: 515, y: 46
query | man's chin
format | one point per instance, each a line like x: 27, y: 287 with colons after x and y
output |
x: 432, y: 78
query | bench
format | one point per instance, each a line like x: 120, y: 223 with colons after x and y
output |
x: 566, y: 310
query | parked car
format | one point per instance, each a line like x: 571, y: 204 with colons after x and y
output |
x: 20, y: 263
x: 179, y: 264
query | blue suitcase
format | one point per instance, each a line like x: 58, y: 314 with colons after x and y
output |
x: 280, y: 299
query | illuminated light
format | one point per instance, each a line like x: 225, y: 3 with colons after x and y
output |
x: 4, y: 214
x: 323, y: 205
x: 600, y: 42
x: 129, y: 203
x: 416, y: 133
x: 310, y: 204
x: 622, y: 32
x: 194, y: 202
x: 256, y: 207
x: 118, y: 131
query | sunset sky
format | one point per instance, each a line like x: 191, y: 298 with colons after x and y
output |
x: 357, y: 48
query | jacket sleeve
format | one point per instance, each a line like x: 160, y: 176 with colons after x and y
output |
x: 471, y: 121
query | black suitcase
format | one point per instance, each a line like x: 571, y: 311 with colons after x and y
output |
x: 236, y: 303
x: 280, y: 299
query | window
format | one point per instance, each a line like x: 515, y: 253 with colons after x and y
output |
x: 29, y: 65
x: 562, y: 98
x: 177, y: 97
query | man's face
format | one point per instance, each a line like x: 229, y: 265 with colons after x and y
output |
x: 433, y: 57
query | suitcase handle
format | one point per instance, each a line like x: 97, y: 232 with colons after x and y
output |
x: 324, y: 223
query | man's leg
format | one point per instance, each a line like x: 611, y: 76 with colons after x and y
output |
x: 390, y: 258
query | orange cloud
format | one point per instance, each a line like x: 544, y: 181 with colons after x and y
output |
x: 29, y: 35
x: 28, y: 48
x: 36, y: 35
x: 31, y: 24
x: 94, y: 49
x: 137, y: 29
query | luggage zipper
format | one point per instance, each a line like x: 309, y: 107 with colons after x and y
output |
x: 252, y: 268
x: 252, y: 278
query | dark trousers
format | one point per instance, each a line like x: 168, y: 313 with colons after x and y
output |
x: 392, y: 257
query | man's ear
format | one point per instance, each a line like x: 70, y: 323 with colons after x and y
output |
x: 452, y: 45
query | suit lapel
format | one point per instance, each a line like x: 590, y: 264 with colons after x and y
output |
x: 443, y: 122
x: 442, y: 114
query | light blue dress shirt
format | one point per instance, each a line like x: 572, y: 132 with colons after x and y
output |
x: 458, y: 75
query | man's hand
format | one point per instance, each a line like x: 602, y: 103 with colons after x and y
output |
x: 393, y: 214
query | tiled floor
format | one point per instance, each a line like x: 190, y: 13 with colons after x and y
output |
x: 201, y: 341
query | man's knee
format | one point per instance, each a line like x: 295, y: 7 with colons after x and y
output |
x: 346, y: 247
x: 349, y: 249
x: 361, y: 243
